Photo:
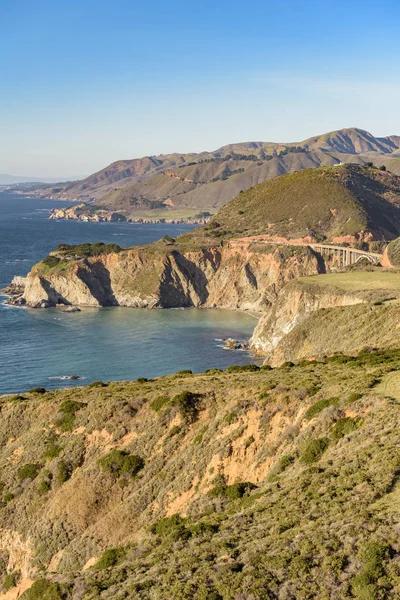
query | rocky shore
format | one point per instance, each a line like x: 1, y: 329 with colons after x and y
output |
x: 87, y: 213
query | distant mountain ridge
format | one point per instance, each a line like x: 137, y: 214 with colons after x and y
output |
x: 208, y: 180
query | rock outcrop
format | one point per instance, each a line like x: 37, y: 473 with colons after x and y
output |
x: 246, y: 277
x: 292, y: 306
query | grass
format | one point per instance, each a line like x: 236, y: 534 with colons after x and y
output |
x: 320, y: 523
x: 323, y: 202
x: 357, y: 281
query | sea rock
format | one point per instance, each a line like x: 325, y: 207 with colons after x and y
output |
x: 72, y: 309
x: 232, y: 344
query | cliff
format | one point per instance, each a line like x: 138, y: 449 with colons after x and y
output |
x: 246, y: 276
x: 338, y: 312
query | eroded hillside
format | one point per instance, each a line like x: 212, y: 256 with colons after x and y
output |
x: 237, y: 485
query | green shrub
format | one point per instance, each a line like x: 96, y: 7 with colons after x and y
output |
x: 51, y: 261
x: 38, y: 390
x: 29, y: 471
x: 203, y: 528
x: 366, y: 585
x: 8, y: 497
x: 86, y: 250
x: 343, y: 426
x: 17, y: 398
x: 230, y: 417
x: 46, y: 590
x: 285, y: 462
x: 64, y: 471
x: 44, y: 487
x: 120, y: 462
x: 251, y: 368
x: 160, y: 402
x: 171, y: 527
x: 314, y: 450
x: 169, y: 239
x: 353, y: 397
x: 52, y: 450
x: 187, y: 403
x: 110, y: 558
x: 68, y: 410
x: 142, y: 380
x: 11, y: 580
x: 234, y: 491
x: 318, y: 407
x: 97, y: 384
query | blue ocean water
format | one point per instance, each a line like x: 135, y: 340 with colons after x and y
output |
x: 43, y: 347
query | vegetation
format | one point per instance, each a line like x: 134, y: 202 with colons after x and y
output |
x: 327, y: 202
x: 249, y: 499
x: 119, y: 462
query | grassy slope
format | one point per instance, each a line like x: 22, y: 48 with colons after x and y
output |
x: 357, y: 281
x: 321, y: 522
x: 343, y: 329
x: 328, y: 201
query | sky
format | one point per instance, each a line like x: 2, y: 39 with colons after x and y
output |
x: 86, y: 82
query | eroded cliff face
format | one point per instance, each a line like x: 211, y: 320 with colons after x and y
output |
x: 293, y: 306
x: 246, y: 277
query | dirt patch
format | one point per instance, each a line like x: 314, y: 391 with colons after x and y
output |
x: 17, y: 591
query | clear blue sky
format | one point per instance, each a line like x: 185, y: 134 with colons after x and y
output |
x: 87, y: 82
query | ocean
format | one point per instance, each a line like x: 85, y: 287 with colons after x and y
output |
x: 46, y: 347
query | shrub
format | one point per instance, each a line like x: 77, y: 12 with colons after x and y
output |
x: 11, y: 580
x: 29, y: 471
x: 171, y: 527
x: 17, y: 398
x: 203, y: 528
x: 97, y: 384
x: 343, y: 426
x: 51, y: 261
x: 318, y: 407
x: 314, y: 450
x: 110, y: 558
x: 52, y: 450
x: 365, y: 586
x: 187, y: 403
x: 353, y: 397
x: 120, y: 462
x: 45, y: 590
x: 38, y: 390
x: 234, y: 491
x: 68, y: 410
x: 44, y: 487
x: 243, y: 368
x: 8, y: 497
x: 159, y: 403
x: 142, y: 380
x: 64, y: 471
x: 169, y: 239
x: 230, y: 417
x: 86, y: 250
x: 285, y: 462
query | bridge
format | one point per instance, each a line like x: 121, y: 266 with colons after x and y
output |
x: 346, y: 256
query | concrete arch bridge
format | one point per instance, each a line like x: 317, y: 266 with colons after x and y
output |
x: 346, y: 256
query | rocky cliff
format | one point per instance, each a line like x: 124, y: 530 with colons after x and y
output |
x: 247, y: 277
x: 308, y: 321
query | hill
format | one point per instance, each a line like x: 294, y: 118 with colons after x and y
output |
x: 236, y: 485
x: 346, y: 203
x: 210, y: 179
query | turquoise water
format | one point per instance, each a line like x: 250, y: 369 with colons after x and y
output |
x: 44, y: 347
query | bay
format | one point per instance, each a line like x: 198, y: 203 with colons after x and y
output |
x: 45, y: 347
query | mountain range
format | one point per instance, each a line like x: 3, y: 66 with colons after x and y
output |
x: 208, y: 180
